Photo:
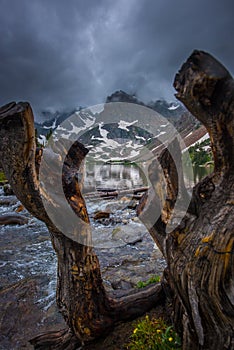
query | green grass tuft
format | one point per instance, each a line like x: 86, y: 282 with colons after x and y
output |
x: 152, y: 279
x: 2, y: 176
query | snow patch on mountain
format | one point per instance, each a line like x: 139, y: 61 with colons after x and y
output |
x: 124, y: 125
x: 173, y: 107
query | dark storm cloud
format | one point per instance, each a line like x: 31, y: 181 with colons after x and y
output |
x: 67, y: 53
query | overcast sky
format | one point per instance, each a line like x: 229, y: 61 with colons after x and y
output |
x: 66, y: 53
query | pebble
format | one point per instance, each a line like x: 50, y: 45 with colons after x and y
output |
x: 135, y: 219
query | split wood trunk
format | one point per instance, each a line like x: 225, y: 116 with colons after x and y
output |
x: 200, y: 252
x: 81, y: 298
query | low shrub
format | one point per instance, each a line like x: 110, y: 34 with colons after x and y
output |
x: 152, y: 279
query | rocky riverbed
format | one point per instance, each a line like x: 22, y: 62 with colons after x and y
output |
x: 126, y: 252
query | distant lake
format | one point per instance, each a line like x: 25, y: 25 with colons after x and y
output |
x: 196, y: 174
x: 115, y: 176
x: 126, y: 176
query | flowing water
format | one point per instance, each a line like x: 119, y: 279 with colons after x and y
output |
x: 126, y: 252
x: 26, y: 250
x: 125, y: 249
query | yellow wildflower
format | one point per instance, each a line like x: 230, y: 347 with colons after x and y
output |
x: 159, y: 331
x: 135, y: 330
x: 170, y: 339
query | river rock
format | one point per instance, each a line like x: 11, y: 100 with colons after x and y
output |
x: 8, y: 190
x: 124, y: 199
x: 8, y: 201
x: 135, y: 219
x: 114, y: 206
x: 122, y: 284
x: 19, y: 208
x: 128, y: 234
x: 22, y: 318
x: 101, y: 215
x: 13, y: 219
x: 133, y: 204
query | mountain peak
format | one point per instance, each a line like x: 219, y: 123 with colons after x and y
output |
x: 122, y: 96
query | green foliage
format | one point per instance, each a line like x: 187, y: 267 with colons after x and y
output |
x: 49, y: 134
x: 2, y: 176
x: 153, y: 334
x: 152, y: 279
x: 198, y: 155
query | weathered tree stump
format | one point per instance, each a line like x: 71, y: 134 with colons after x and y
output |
x: 200, y: 251
x: 81, y: 298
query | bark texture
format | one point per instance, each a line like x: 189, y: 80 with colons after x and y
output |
x: 200, y: 251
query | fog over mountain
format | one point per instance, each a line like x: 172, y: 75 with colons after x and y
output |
x: 64, y: 54
x: 174, y: 112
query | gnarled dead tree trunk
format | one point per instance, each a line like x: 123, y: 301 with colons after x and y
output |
x: 88, y: 311
x: 199, y: 252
